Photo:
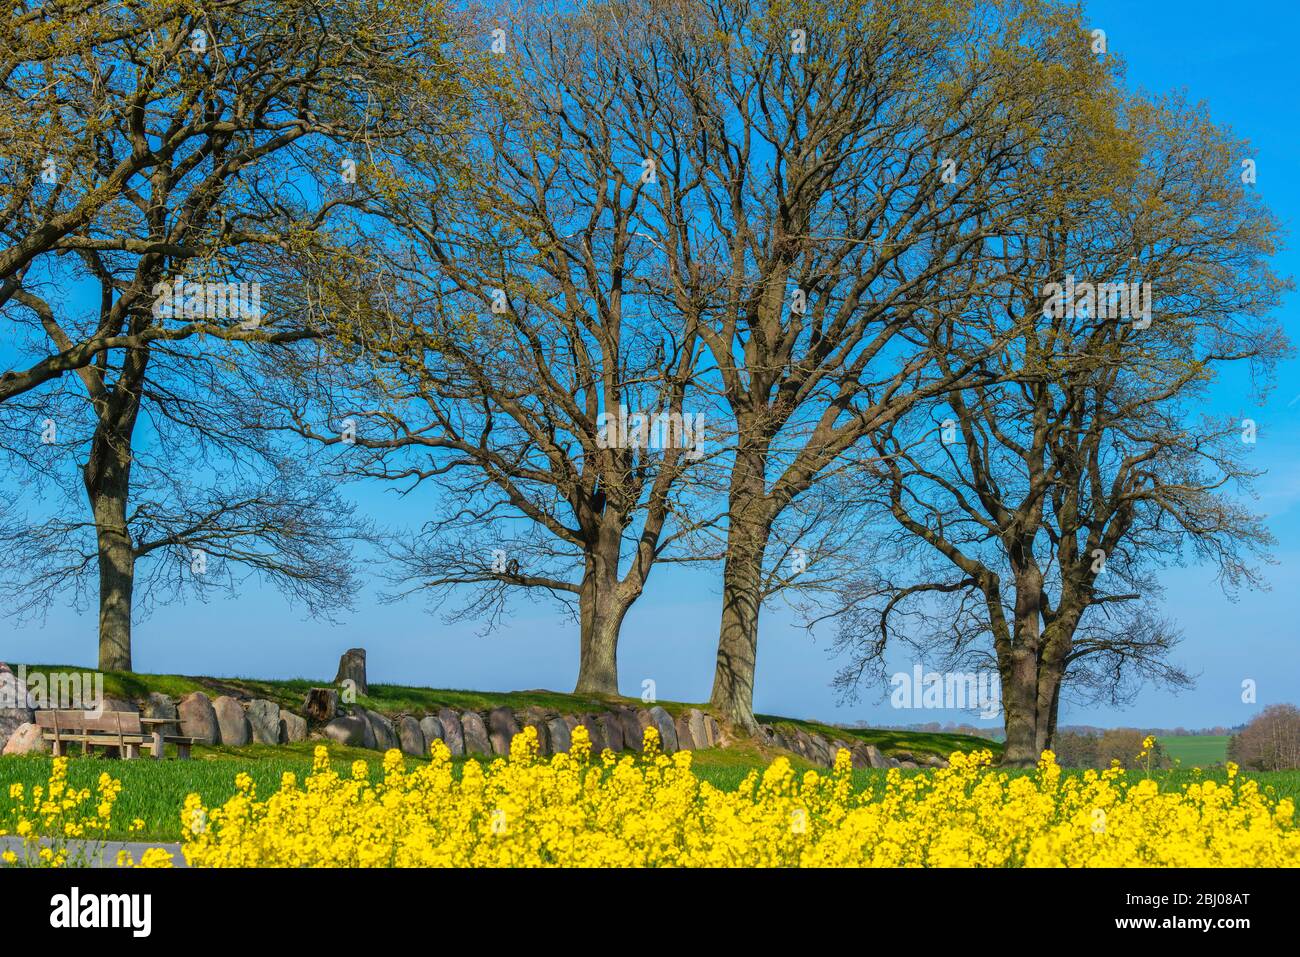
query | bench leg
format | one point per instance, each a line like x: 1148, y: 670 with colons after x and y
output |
x: 56, y: 748
x: 157, y: 745
x: 130, y: 751
x: 183, y: 751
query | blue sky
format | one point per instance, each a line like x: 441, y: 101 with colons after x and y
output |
x: 1238, y: 59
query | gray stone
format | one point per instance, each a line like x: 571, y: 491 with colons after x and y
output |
x: 162, y: 706
x: 876, y: 758
x: 197, y: 719
x: 908, y: 764
x: 264, y: 720
x: 611, y: 730
x: 352, y: 667
x: 452, y: 733
x: 476, y: 736
x: 633, y: 730
x: 383, y: 730
x: 821, y: 751
x: 293, y: 728
x: 321, y: 704
x: 232, y: 722
x: 667, y: 731
x: 561, y: 741
x: 410, y: 737
x: 27, y: 738
x: 713, y: 732
x: 431, y: 728
x: 502, y: 728
x: 698, y: 727
x: 934, y: 761
x: 685, y: 742
x: 535, y: 718
x: 594, y: 735
x: 120, y: 704
x: 352, y: 730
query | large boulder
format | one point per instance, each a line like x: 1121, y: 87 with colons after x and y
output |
x: 321, y: 705
x: 476, y: 735
x: 502, y: 728
x: 197, y: 719
x: 453, y: 735
x: 876, y: 758
x: 264, y: 720
x: 685, y: 740
x: 352, y: 730
x: 713, y: 732
x: 292, y: 727
x: 431, y: 728
x: 124, y: 705
x: 698, y: 728
x: 26, y: 739
x: 611, y: 729
x: 352, y: 667
x: 232, y: 722
x: 633, y: 729
x: 15, y: 705
x: 159, y: 705
x: 382, y: 729
x: 594, y: 735
x: 663, y: 721
x: 535, y: 718
x: 558, y: 731
x: 410, y: 737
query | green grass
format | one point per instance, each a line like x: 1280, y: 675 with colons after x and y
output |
x: 154, y: 791
x: 1197, y: 750
x: 891, y: 742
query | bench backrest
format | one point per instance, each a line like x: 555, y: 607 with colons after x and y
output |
x: 76, y: 721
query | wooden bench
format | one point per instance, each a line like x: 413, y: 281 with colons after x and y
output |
x: 124, y: 730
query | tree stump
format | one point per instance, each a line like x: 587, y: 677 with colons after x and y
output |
x: 352, y: 667
x: 321, y: 704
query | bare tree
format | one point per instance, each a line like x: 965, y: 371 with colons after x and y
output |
x: 845, y: 174
x: 1058, y: 489
x: 535, y: 365
x: 218, y: 146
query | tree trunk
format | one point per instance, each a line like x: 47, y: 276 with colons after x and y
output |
x: 107, y: 487
x: 742, y: 587
x: 107, y: 478
x: 1020, y: 678
x: 601, y: 608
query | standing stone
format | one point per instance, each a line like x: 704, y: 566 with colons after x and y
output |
x: 612, y: 731
x: 352, y: 730
x: 663, y: 721
x: 594, y: 734
x: 860, y: 757
x: 321, y: 705
x: 431, y: 728
x: 383, y: 730
x: 452, y: 733
x: 162, y: 706
x: 120, y: 704
x: 476, y: 736
x: 698, y: 727
x: 352, y: 667
x: 559, y: 734
x: 713, y: 732
x: 14, y: 704
x: 26, y: 739
x: 502, y: 729
x: 633, y: 730
x: 535, y: 718
x: 821, y: 750
x: 411, y: 737
x: 264, y: 720
x: 198, y: 720
x: 232, y: 722
x: 876, y: 758
x: 802, y: 743
x: 684, y: 740
x: 293, y: 728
